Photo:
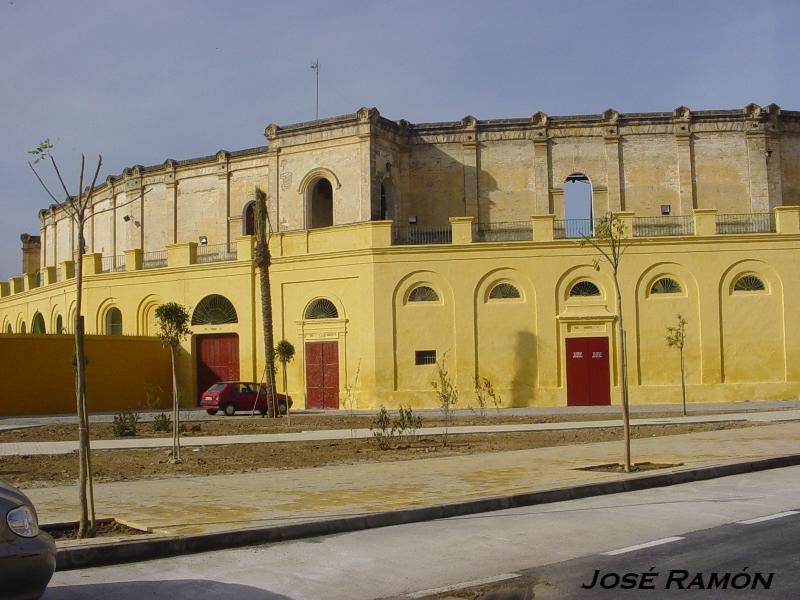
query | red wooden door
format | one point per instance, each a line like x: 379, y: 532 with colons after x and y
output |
x: 322, y: 375
x: 217, y: 359
x: 588, y: 381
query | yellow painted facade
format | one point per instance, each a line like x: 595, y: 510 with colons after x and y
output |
x: 461, y: 208
x: 40, y: 377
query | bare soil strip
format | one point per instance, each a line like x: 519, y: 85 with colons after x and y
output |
x: 130, y: 465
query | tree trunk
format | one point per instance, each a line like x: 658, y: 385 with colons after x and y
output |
x: 262, y: 260
x: 176, y: 433
x: 84, y: 528
x: 683, y: 383
x: 286, y: 394
x: 623, y: 376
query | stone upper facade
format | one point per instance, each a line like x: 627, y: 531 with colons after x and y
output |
x: 362, y: 167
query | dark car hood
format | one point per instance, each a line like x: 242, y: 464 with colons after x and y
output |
x: 11, y: 496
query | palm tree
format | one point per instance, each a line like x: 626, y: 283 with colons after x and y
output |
x: 262, y: 260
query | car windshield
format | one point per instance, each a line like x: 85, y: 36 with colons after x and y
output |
x: 217, y: 387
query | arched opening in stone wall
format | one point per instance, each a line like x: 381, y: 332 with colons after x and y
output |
x: 249, y: 219
x: 113, y: 321
x: 578, y: 204
x: 37, y: 325
x: 321, y: 204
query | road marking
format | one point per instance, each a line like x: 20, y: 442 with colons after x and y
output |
x: 666, y: 540
x: 461, y: 586
x: 769, y: 517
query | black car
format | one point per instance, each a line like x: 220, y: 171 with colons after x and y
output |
x: 27, y: 555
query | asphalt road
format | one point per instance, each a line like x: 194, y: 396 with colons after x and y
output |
x: 560, y: 545
x: 721, y: 562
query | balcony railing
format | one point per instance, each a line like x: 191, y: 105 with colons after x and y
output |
x: 216, y: 253
x: 572, y: 228
x: 154, y: 260
x: 112, y: 264
x: 414, y: 235
x: 661, y: 226
x: 509, y: 231
x: 746, y: 223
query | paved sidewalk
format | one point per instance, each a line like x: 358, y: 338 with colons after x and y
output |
x: 200, y: 415
x: 271, y: 497
x: 31, y: 448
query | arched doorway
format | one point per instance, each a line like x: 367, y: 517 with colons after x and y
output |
x: 216, y: 354
x: 578, y: 205
x: 321, y: 358
x: 37, y: 325
x: 113, y: 321
x: 321, y: 204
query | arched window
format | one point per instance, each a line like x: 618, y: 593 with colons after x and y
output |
x: 503, y: 290
x: 37, y: 325
x: 214, y: 310
x: 584, y: 288
x: 749, y: 283
x: 113, y: 321
x: 321, y: 309
x: 666, y: 285
x: 9, y: 329
x: 22, y: 328
x: 249, y: 219
x: 423, y: 293
x: 59, y: 325
x: 321, y: 204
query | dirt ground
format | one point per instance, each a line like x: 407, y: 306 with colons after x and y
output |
x: 246, y: 424
x: 125, y: 465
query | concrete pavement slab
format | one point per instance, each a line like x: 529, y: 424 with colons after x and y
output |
x: 205, y: 504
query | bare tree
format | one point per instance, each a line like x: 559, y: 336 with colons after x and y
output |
x: 262, y: 260
x: 77, y: 208
x: 173, y: 327
x: 676, y: 338
x: 611, y: 240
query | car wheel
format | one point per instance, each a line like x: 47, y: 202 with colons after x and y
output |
x: 211, y: 411
x: 230, y: 409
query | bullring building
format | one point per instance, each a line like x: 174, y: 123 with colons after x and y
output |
x: 396, y: 245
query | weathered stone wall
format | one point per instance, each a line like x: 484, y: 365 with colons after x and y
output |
x: 736, y: 161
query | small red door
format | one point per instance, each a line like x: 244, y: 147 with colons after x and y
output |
x: 217, y: 357
x: 322, y: 375
x: 588, y: 381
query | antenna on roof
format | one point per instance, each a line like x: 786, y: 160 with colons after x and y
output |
x: 315, y: 67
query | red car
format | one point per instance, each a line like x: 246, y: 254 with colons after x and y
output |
x: 230, y: 396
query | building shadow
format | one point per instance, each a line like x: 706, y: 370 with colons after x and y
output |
x: 523, y: 384
x: 178, y: 589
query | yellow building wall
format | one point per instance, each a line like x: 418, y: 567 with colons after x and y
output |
x: 40, y: 377
x: 739, y: 345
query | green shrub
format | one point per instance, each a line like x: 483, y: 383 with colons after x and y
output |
x: 125, y: 424
x: 382, y: 429
x: 162, y: 422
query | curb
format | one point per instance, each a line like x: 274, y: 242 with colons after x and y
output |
x: 81, y: 557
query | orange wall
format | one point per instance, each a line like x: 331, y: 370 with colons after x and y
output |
x: 38, y: 377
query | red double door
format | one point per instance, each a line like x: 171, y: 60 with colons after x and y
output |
x: 588, y: 380
x: 217, y: 360
x: 322, y: 375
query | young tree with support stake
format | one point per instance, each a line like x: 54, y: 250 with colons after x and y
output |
x: 284, y: 352
x: 262, y: 260
x: 77, y: 207
x: 173, y: 327
x: 611, y: 240
x: 676, y: 338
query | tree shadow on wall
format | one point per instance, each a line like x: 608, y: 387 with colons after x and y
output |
x: 523, y: 384
x: 190, y: 589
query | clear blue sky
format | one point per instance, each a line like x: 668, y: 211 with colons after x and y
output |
x: 144, y: 81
